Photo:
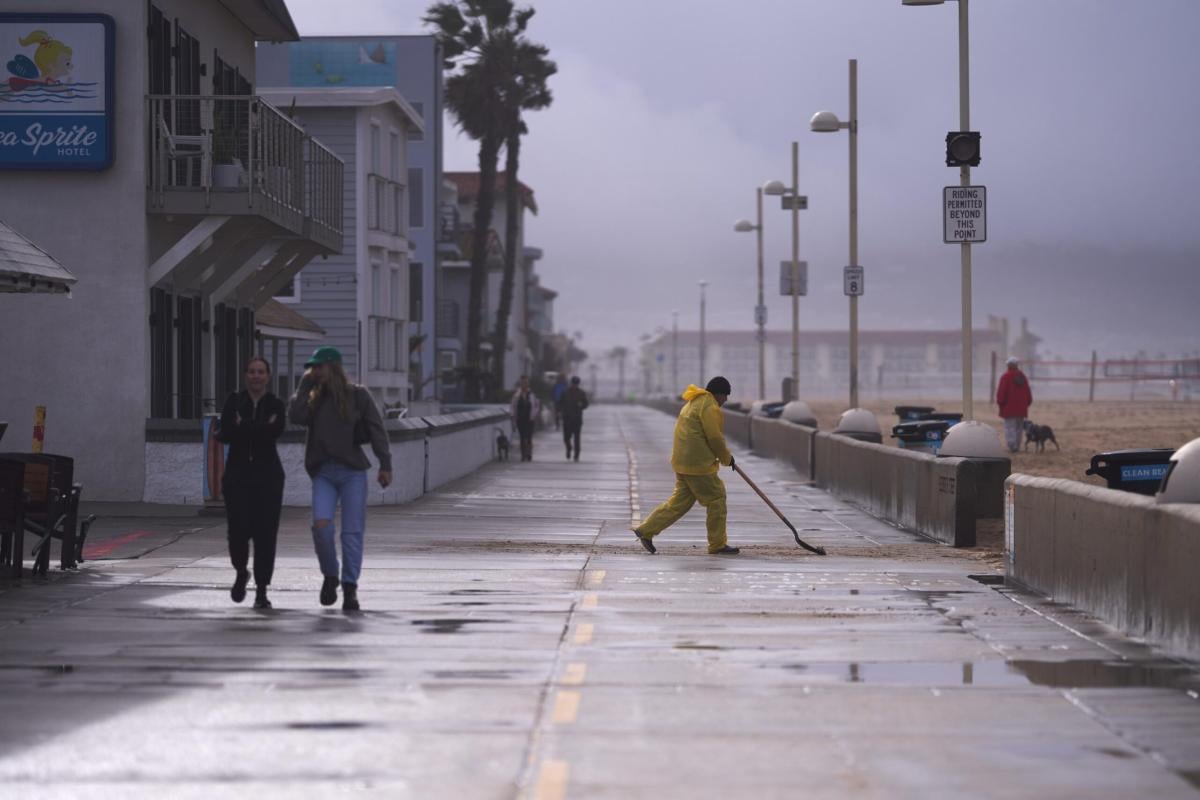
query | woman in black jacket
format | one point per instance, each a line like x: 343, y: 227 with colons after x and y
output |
x: 253, y: 483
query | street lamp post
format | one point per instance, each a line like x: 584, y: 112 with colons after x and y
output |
x: 794, y: 201
x: 760, y: 310
x: 827, y: 122
x: 702, y: 285
x: 964, y: 122
x: 675, y: 351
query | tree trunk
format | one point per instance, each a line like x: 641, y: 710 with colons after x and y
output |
x: 489, y: 152
x: 513, y: 211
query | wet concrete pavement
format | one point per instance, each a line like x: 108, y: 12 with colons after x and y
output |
x: 517, y: 642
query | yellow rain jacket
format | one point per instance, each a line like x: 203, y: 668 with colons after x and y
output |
x: 700, y: 446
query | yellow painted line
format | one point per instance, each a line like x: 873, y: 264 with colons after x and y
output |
x: 552, y: 781
x: 595, y: 577
x: 576, y: 672
x: 566, y: 707
x: 589, y: 601
x: 583, y: 634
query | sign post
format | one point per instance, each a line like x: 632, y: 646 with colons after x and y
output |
x: 785, y: 279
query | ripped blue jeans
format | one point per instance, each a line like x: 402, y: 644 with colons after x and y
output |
x: 336, y: 482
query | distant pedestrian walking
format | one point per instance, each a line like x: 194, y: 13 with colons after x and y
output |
x: 560, y: 389
x: 525, y: 410
x: 1014, y: 397
x: 697, y: 454
x: 340, y: 417
x: 574, y: 401
x: 251, y: 422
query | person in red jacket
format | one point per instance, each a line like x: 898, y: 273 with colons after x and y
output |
x: 1014, y: 398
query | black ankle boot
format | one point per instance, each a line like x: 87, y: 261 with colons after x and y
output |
x: 329, y: 591
x: 260, y: 598
x: 350, y: 597
x: 237, y: 593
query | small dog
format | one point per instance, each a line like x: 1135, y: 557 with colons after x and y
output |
x: 1039, y: 435
x: 501, y: 446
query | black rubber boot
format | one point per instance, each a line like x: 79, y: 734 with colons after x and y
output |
x: 329, y: 591
x: 727, y: 550
x: 646, y: 543
x: 237, y: 593
x: 350, y: 597
x: 260, y: 598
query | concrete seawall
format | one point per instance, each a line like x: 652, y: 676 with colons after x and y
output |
x: 427, y: 452
x: 1116, y: 555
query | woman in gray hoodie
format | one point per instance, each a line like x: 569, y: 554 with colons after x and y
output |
x: 340, y: 417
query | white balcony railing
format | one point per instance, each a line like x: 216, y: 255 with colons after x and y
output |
x: 239, y: 154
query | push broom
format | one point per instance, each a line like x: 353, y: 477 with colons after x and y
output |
x: 811, y: 548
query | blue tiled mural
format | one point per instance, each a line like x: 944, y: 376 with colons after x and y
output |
x: 357, y: 63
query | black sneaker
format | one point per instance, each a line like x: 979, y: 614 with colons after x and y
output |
x: 329, y: 591
x: 237, y: 593
x: 646, y: 543
x: 350, y: 597
x: 260, y: 598
x: 725, y: 551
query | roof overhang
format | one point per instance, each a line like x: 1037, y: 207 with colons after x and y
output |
x: 27, y: 268
x: 270, y: 331
x: 342, y: 97
x: 267, y: 20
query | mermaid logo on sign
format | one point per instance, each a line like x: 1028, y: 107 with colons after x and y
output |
x: 56, y: 91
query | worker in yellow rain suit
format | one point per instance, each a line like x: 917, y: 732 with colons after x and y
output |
x: 698, y: 452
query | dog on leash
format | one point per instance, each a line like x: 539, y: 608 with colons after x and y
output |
x: 1039, y: 435
x: 501, y: 446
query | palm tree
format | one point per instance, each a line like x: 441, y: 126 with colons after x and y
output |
x: 525, y: 91
x: 486, y: 57
x: 618, y: 354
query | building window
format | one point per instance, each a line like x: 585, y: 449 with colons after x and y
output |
x: 375, y: 154
x: 416, y: 197
x: 376, y: 290
x: 415, y: 135
x: 399, y: 349
x: 394, y: 285
x: 290, y: 291
x: 447, y: 361
x: 377, y: 343
x: 416, y: 292
x: 394, y: 155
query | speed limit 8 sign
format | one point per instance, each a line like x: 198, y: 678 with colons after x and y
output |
x: 852, y: 281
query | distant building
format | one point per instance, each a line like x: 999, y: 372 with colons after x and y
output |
x: 413, y: 66
x: 889, y: 361
x: 362, y: 296
x: 522, y: 356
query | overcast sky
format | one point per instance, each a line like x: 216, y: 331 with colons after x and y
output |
x: 668, y: 114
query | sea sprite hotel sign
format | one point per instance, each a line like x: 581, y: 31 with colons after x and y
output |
x: 56, y: 91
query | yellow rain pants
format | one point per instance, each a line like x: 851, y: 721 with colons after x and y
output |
x: 709, y: 490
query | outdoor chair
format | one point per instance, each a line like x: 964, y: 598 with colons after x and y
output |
x: 52, y: 508
x: 12, y: 514
x: 185, y: 148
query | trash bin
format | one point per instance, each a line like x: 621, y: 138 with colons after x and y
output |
x: 909, y: 413
x: 773, y: 410
x: 953, y: 417
x: 922, y: 435
x: 1138, y: 471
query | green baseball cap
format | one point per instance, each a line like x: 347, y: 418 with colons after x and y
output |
x: 324, y: 355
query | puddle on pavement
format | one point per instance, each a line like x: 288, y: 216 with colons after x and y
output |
x: 1080, y: 674
x: 698, y: 646
x: 451, y: 625
x: 460, y: 592
x: 471, y: 674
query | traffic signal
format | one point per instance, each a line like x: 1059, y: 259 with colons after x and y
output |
x: 962, y: 149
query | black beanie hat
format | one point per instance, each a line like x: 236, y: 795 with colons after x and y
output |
x: 719, y: 385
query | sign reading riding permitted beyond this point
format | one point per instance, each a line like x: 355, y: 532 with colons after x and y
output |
x: 965, y: 209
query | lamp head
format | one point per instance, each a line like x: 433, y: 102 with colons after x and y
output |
x: 775, y: 188
x: 824, y: 122
x: 743, y: 226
